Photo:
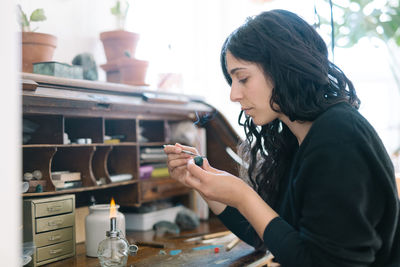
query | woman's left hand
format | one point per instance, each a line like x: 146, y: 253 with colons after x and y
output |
x: 215, y: 184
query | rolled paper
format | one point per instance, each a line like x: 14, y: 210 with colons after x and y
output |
x: 28, y: 176
x: 37, y: 174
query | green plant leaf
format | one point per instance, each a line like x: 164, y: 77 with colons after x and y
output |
x: 116, y: 10
x: 398, y: 40
x: 38, y: 15
x: 23, y: 20
x: 126, y: 9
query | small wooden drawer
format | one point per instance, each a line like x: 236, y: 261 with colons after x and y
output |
x: 54, y: 237
x: 54, y: 222
x: 53, y: 207
x: 161, y: 188
x: 54, y: 251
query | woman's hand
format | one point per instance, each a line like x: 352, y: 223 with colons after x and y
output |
x: 216, y: 185
x: 226, y: 189
x: 177, y: 167
x: 177, y: 161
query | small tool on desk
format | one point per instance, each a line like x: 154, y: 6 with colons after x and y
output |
x: 208, y: 236
x: 150, y: 244
x: 198, y: 159
x: 267, y: 260
x: 191, y: 153
x: 232, y: 244
x: 188, y: 235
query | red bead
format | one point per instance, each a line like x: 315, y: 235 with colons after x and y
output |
x: 216, y: 250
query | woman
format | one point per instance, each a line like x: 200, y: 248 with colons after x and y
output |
x: 320, y: 187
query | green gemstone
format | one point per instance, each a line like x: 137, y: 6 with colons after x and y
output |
x: 198, y: 161
x: 39, y: 188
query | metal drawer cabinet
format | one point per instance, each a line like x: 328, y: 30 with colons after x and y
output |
x: 50, y: 224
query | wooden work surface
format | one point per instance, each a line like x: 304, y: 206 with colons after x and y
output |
x: 240, y: 255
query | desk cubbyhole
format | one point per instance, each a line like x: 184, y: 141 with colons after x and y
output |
x: 99, y: 164
x: 122, y: 163
x: 152, y: 131
x: 42, y: 129
x: 38, y: 159
x: 74, y: 159
x: 80, y: 129
x: 122, y: 129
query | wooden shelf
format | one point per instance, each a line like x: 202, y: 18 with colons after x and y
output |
x: 61, y: 108
x: 152, y: 143
x: 80, y: 145
x: 80, y: 189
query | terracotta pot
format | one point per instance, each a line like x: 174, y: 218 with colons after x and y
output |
x: 112, y: 72
x: 117, y: 43
x: 132, y: 71
x: 36, y: 47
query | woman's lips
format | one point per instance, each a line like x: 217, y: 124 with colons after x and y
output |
x: 246, y: 110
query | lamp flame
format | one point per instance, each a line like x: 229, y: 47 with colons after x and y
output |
x: 113, y: 210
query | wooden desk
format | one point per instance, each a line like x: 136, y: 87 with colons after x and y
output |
x: 240, y: 255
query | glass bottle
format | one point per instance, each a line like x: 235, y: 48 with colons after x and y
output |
x: 97, y: 223
x: 114, y: 250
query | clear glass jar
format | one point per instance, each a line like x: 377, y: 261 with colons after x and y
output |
x: 114, y: 250
x: 97, y: 223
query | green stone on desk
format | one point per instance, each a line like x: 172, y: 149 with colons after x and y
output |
x: 166, y: 226
x: 58, y: 69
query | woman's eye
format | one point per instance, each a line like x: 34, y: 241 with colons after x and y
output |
x: 243, y: 80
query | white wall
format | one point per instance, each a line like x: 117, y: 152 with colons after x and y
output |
x: 10, y: 119
x: 196, y: 30
x: 77, y: 25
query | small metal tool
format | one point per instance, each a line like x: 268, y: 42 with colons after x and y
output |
x: 189, y: 153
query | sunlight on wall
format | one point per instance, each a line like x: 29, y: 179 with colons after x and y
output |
x: 197, y: 29
x: 186, y: 36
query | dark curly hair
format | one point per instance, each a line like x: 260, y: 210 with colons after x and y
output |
x: 306, y: 84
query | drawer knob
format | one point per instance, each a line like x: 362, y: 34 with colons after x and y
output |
x: 54, y: 208
x: 55, y: 222
x: 55, y: 251
x: 54, y: 237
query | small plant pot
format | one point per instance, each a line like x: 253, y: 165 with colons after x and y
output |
x: 36, y: 47
x: 132, y: 71
x: 117, y: 43
x: 112, y: 72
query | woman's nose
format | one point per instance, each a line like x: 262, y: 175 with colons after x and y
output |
x: 236, y: 94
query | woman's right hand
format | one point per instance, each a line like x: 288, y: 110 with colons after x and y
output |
x: 177, y: 161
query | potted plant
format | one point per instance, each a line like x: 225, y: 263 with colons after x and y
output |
x: 119, y: 47
x: 36, y: 47
x: 117, y: 42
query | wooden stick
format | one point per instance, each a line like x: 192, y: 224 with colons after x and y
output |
x: 208, y: 236
x: 214, y: 235
x: 232, y: 244
x: 150, y: 244
x: 264, y: 261
x: 188, y: 235
x: 189, y: 152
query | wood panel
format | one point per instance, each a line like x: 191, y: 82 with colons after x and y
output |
x: 39, y: 158
x: 75, y: 159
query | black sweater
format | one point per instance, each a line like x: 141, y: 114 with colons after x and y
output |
x: 339, y: 205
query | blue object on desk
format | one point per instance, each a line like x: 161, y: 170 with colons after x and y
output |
x: 175, y: 252
x: 208, y: 247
